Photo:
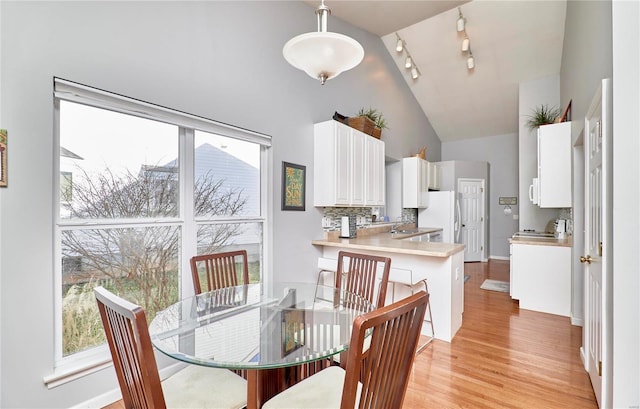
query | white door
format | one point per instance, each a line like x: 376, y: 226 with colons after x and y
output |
x: 597, y: 244
x: 471, y: 196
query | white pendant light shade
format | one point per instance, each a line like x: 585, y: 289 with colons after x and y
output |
x: 460, y: 24
x: 465, y: 44
x: 323, y: 55
x: 414, y: 73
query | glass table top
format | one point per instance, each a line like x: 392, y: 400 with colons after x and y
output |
x: 253, y: 327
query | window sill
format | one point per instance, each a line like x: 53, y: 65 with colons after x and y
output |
x: 76, y: 368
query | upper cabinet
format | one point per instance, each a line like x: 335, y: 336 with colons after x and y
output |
x: 348, y: 167
x: 434, y: 176
x: 554, y: 166
x: 415, y: 183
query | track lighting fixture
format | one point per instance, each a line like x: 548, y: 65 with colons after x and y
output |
x: 409, y: 62
x: 460, y: 22
x: 399, y: 45
x: 466, y: 43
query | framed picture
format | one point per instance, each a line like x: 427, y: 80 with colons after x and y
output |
x: 293, y: 186
x: 292, y: 330
x: 3, y: 157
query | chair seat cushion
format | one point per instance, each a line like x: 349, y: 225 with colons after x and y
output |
x: 201, y: 387
x: 321, y: 390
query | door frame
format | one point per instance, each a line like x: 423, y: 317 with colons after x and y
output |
x: 603, y: 99
x: 483, y: 223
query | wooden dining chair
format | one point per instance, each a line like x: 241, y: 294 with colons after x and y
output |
x: 220, y: 270
x: 195, y: 386
x: 384, y: 367
x: 359, y: 275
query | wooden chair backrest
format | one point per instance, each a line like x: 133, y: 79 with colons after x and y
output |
x: 361, y: 275
x: 220, y: 270
x: 125, y: 327
x: 385, y: 366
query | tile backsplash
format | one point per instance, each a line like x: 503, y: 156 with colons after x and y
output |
x: 332, y: 216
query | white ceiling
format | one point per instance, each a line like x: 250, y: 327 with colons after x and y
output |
x: 512, y: 41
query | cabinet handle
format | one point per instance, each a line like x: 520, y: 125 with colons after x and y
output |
x: 586, y: 259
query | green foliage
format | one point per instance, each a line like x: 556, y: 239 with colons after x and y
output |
x: 543, y: 115
x: 375, y: 116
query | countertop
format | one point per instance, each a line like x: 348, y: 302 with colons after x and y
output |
x: 543, y: 241
x: 380, y: 239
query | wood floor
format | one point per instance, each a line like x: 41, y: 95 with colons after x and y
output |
x: 501, y: 357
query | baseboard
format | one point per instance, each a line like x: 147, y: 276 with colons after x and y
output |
x: 100, y: 401
x: 578, y: 322
x: 115, y: 395
x: 499, y: 257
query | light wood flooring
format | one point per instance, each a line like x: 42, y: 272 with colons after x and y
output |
x: 502, y: 357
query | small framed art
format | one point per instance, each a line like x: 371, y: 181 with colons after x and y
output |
x: 293, y: 186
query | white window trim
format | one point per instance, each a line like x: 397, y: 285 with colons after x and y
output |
x: 78, y: 365
x: 75, y: 92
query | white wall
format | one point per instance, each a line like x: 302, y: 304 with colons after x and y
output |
x: 501, y: 153
x: 220, y: 60
x: 532, y: 94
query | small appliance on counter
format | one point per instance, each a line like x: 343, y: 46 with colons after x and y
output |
x: 561, y: 228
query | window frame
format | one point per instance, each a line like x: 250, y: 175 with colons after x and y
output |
x: 81, y: 363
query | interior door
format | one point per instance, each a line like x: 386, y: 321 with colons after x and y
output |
x: 471, y: 196
x: 597, y: 243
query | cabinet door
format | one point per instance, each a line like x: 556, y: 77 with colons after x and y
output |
x: 357, y: 168
x: 342, y: 154
x: 374, y: 173
x: 423, y: 184
x: 415, y: 183
x: 554, y: 165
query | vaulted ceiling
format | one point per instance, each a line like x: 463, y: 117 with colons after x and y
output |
x: 512, y: 41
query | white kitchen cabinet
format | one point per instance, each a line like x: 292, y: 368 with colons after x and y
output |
x: 554, y: 165
x: 434, y: 176
x: 374, y: 171
x: 541, y: 278
x: 348, y: 167
x: 415, y: 183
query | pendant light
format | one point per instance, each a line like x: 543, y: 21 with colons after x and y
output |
x: 323, y: 54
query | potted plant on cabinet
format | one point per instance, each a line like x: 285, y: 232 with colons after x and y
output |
x: 369, y: 121
x: 543, y: 115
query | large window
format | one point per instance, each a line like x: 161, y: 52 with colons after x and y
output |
x: 141, y: 190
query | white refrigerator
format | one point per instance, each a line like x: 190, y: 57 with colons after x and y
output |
x: 444, y: 212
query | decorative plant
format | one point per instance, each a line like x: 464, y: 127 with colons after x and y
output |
x: 375, y: 116
x: 543, y: 115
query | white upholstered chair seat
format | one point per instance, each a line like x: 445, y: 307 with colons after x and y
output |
x: 201, y: 387
x: 322, y: 390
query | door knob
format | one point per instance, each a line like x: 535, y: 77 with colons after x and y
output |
x: 586, y: 259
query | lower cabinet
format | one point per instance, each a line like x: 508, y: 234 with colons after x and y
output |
x: 541, y: 278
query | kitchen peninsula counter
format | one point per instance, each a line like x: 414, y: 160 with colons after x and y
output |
x: 441, y: 264
x: 393, y: 243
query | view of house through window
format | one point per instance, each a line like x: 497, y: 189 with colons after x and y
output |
x: 123, y: 220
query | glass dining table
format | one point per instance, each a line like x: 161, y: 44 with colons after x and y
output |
x: 276, y: 334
